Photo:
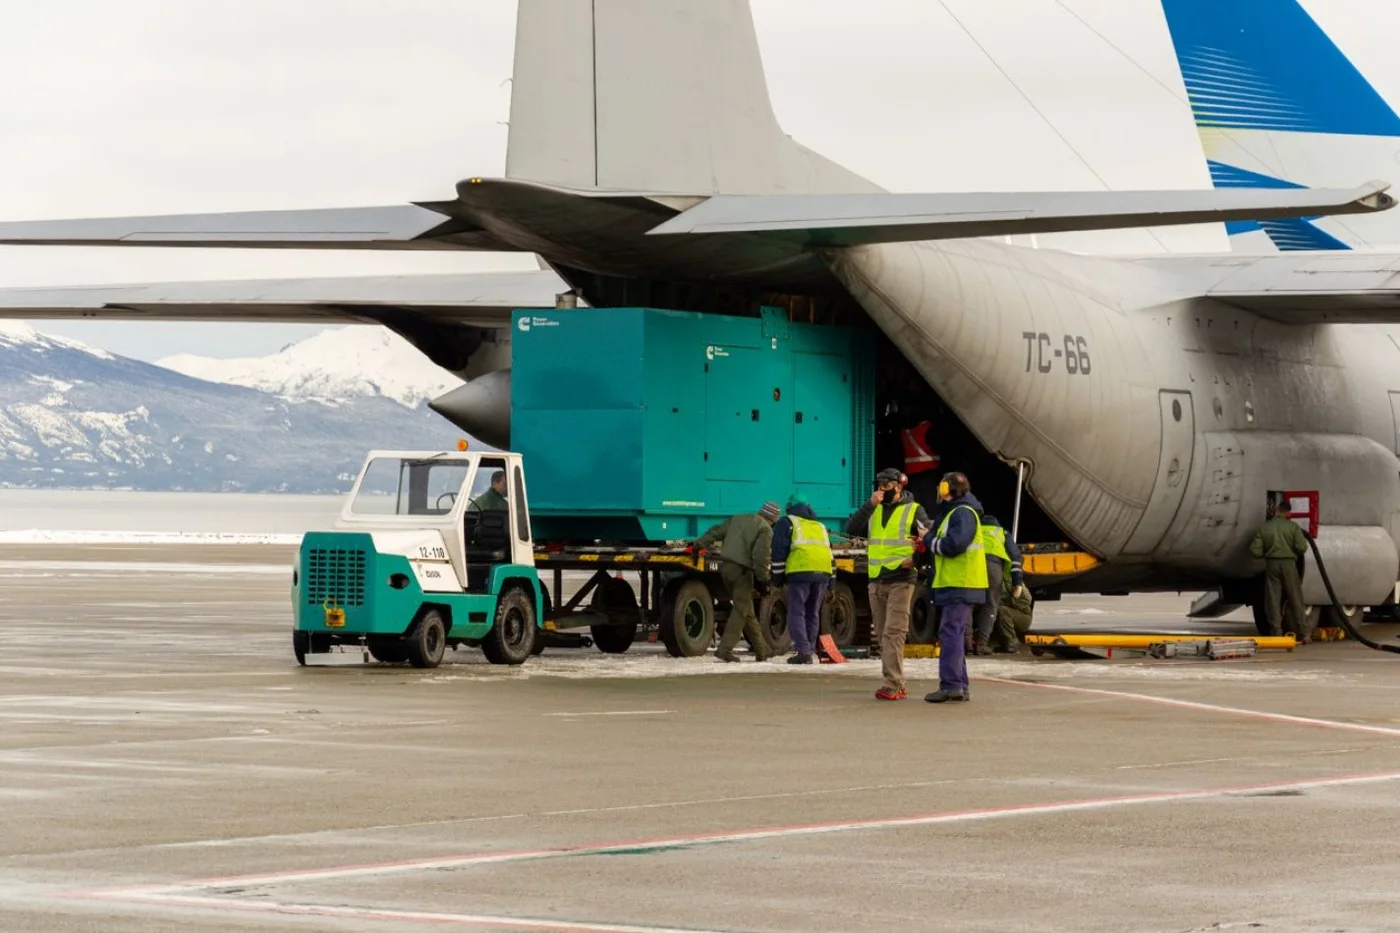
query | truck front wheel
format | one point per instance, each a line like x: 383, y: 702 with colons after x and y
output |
x: 513, y: 632
x: 428, y: 640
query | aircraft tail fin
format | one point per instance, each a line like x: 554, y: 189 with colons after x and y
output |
x: 1278, y: 105
x: 657, y: 96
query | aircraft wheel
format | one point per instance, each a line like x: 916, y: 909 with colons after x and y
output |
x: 1331, y: 618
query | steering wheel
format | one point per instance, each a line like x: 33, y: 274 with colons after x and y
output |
x: 451, y: 497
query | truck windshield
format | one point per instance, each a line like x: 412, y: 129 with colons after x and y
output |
x: 396, y: 486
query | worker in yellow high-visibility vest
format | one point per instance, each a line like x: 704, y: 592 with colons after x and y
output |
x: 802, y: 561
x: 892, y: 523
x: 1001, y: 552
x: 959, y: 581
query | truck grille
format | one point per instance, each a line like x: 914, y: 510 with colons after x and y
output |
x: 335, y: 573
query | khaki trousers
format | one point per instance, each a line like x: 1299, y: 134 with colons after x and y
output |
x: 890, y: 606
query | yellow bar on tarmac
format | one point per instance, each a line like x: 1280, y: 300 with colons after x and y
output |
x: 1283, y: 642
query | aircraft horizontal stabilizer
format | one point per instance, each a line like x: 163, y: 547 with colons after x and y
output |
x: 397, y: 227
x: 857, y: 219
x: 1292, y: 288
x: 483, y: 299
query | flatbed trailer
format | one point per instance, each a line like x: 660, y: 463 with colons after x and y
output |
x: 676, y: 596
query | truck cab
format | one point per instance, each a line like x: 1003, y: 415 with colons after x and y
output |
x: 432, y: 549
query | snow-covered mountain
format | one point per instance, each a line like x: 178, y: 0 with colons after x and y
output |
x: 74, y: 416
x: 355, y: 361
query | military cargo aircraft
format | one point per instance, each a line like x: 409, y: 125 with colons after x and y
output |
x: 1149, y: 403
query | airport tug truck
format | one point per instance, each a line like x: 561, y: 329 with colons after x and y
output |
x: 432, y: 550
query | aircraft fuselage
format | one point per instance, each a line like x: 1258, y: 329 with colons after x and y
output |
x: 1153, y: 428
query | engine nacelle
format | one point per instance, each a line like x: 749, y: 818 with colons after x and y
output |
x: 481, y: 408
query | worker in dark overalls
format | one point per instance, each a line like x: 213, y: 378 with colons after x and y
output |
x: 1281, y: 543
x: 745, y: 564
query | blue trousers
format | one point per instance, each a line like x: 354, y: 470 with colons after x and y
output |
x: 804, y: 613
x: 952, y: 652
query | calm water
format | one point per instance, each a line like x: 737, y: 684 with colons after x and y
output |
x: 207, y: 513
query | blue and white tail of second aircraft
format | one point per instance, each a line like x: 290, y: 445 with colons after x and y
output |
x: 1278, y: 105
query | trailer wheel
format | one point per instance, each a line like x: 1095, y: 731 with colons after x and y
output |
x: 615, y: 599
x: 773, y: 620
x: 838, y: 614
x: 688, y: 621
x: 923, y: 622
x: 513, y: 632
x: 427, y: 641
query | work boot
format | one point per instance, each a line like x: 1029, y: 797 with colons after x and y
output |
x: 890, y: 693
x: 725, y: 654
x: 1006, y: 649
x: 947, y: 696
x: 800, y: 659
x: 981, y: 648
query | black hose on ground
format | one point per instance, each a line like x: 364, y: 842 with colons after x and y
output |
x: 1336, y: 604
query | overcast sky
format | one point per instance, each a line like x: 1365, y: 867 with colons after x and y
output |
x: 116, y: 107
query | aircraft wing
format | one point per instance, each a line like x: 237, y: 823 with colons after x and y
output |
x: 856, y: 219
x: 536, y: 216
x: 482, y: 299
x: 395, y: 227
x: 1292, y: 288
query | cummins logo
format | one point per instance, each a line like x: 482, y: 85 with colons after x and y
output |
x: 524, y: 323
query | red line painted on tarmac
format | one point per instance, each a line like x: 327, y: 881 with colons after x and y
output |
x: 1203, y: 707
x: 701, y: 839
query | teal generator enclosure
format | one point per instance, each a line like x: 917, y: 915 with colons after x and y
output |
x: 641, y: 425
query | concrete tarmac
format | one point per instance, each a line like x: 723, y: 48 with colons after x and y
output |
x: 165, y: 765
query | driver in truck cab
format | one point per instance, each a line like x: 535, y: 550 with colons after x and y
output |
x: 494, y: 498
